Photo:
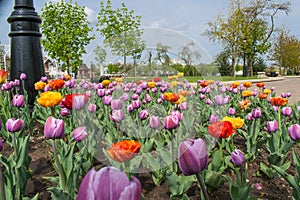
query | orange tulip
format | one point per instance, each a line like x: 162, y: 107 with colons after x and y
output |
x: 235, y: 84
x: 244, y: 104
x: 105, y: 83
x: 278, y: 101
x: 262, y: 96
x: 247, y: 84
x: 3, y: 76
x: 49, y: 99
x: 56, y: 84
x: 260, y: 84
x: 40, y: 85
x: 124, y: 150
x: 204, y: 84
x: 172, y: 97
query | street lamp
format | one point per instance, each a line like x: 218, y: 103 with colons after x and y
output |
x: 26, y: 52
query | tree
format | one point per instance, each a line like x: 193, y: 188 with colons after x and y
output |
x: 162, y: 54
x: 222, y: 61
x: 247, y: 29
x: 66, y: 30
x: 120, y: 29
x: 286, y: 52
x: 187, y: 54
x: 100, y: 55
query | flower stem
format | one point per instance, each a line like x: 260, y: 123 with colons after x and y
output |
x: 60, y: 170
x: 126, y: 169
x: 2, y: 191
x: 15, y: 147
x: 172, y: 152
x: 202, y: 185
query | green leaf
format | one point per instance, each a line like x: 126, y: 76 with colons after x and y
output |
x: 178, y: 185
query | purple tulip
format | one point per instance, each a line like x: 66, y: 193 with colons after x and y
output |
x: 136, y: 104
x: 283, y: 95
x: 44, y: 79
x: 201, y: 96
x: 16, y: 82
x: 6, y: 86
x: 135, y: 97
x: 124, y: 97
x: 275, y: 108
x: 237, y: 157
x: 288, y: 95
x: 294, y: 132
x: 89, y: 93
x: 144, y: 114
x: 14, y: 125
x: 231, y: 111
x: 101, y: 92
x: 159, y: 100
x: 298, y: 107
x: 154, y: 90
x: 176, y: 113
x: 54, y: 128
x: 249, y: 116
x: 183, y: 106
x: 18, y: 100
x: 23, y: 77
x: 130, y: 108
x: 213, y: 118
x: 1, y: 144
x: 47, y: 88
x: 256, y: 113
x: 208, y: 101
x: 116, y: 104
x: 109, y: 183
x: 171, y: 122
x: 154, y: 122
x: 80, y: 134
x: 286, y: 111
x: 272, y: 126
x: 79, y: 101
x: 64, y: 112
x: 219, y: 100
x: 92, y: 108
x: 192, y: 156
x: 147, y: 98
x: 117, y: 116
x: 107, y: 99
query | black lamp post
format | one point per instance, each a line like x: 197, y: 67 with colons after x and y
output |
x: 26, y: 52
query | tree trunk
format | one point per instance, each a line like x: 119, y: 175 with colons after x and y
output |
x: 124, y: 63
x: 233, y: 67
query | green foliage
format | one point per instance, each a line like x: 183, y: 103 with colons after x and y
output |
x: 286, y: 51
x: 259, y: 65
x: 120, y: 28
x: 66, y: 30
x: 112, y: 68
x: 222, y: 61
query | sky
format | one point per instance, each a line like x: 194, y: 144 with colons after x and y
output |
x: 186, y: 19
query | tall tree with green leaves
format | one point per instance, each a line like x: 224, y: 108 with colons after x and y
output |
x: 100, y: 55
x: 286, y: 52
x: 66, y: 33
x: 247, y: 29
x: 162, y: 54
x: 121, y: 30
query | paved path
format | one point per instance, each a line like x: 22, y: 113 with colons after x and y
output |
x: 289, y: 84
x: 281, y: 84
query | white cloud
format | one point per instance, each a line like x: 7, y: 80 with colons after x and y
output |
x: 91, y: 14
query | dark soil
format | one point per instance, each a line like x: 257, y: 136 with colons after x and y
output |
x: 41, y: 166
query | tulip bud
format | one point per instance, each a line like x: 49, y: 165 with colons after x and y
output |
x: 136, y: 104
x: 23, y: 76
x: 183, y: 106
x: 213, y: 118
x: 117, y: 116
x: 54, y: 128
x: 80, y: 134
x: 208, y: 101
x: 109, y: 183
x: 13, y: 125
x: 18, y: 100
x: 256, y: 113
x: 116, y: 104
x: 287, y: 111
x: 154, y: 122
x: 219, y: 100
x: 192, y: 156
x: 92, y: 108
x: 237, y: 157
x: 231, y: 111
x: 65, y: 112
x: 101, y: 92
x: 294, y: 132
x: 144, y: 114
x: 272, y: 126
x: 171, y: 122
x: 107, y: 99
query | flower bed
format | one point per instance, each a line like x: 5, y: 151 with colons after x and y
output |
x: 152, y: 139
